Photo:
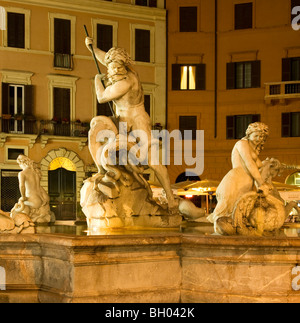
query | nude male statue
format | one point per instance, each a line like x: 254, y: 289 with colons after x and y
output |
x: 123, y: 87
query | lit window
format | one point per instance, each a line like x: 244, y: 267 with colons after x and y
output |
x: 62, y: 162
x: 188, y: 78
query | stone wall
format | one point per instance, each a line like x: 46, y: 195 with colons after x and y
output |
x: 152, y: 268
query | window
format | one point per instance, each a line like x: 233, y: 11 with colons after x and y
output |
x: 188, y: 123
x: 188, y: 77
x: 17, y: 104
x: 237, y: 125
x: 61, y: 111
x: 62, y: 93
x: 243, y: 15
x: 188, y: 19
x: 291, y: 69
x: 103, y: 109
x: 142, y: 45
x: 15, y: 30
x: 146, y: 3
x: 243, y: 75
x: 290, y: 124
x: 147, y: 103
x: 104, y: 37
x: 13, y: 153
x: 62, y: 39
x: 62, y: 43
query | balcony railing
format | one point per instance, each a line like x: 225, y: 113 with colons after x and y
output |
x: 282, y: 91
x: 65, y: 129
x: 27, y: 126
x: 18, y: 125
x: 63, y: 61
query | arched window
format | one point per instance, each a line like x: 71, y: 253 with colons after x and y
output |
x: 293, y: 179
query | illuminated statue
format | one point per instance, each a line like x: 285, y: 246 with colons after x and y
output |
x: 248, y: 203
x: 118, y: 195
x: 34, y: 200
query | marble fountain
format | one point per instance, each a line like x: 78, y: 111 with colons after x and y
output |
x: 134, y: 248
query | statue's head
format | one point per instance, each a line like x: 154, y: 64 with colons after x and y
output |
x: 258, y: 133
x: 118, y: 55
x: 118, y: 62
x: 257, y: 127
x: 23, y: 160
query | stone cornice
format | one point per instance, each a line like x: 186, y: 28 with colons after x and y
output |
x: 100, y: 7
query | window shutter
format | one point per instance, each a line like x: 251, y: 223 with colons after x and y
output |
x: 61, y: 103
x: 243, y: 15
x: 15, y: 30
x: 230, y: 127
x: 62, y: 36
x: 104, y: 37
x: 28, y: 99
x: 142, y: 45
x: 286, y: 125
x: 230, y: 76
x: 28, y: 108
x: 286, y: 69
x: 147, y: 103
x: 188, y: 19
x: 255, y: 118
x: 103, y: 109
x: 176, y: 76
x: 200, y: 76
x: 256, y: 71
x: 5, y: 103
x: 188, y: 123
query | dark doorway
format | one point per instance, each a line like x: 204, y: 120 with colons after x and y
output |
x: 62, y: 192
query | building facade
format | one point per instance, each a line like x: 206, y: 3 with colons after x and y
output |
x: 47, y: 85
x: 231, y: 63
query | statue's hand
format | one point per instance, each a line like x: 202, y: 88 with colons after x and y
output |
x: 88, y: 42
x: 264, y: 189
x: 100, y: 77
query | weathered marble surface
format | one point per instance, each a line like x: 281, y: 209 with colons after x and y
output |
x: 158, y: 267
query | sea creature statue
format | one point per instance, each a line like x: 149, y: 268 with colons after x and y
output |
x: 118, y: 195
x: 15, y: 222
x: 248, y: 203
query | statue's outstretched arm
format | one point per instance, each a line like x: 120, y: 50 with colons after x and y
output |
x: 100, y: 54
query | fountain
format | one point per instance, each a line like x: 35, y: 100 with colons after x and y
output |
x: 137, y: 249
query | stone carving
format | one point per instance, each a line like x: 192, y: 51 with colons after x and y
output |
x: 15, y: 223
x: 33, y: 205
x: 34, y: 200
x: 118, y: 195
x: 248, y: 203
